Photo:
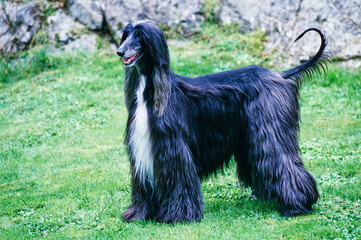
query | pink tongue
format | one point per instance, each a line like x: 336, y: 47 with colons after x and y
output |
x: 129, y: 59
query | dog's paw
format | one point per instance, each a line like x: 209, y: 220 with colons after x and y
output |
x: 133, y: 214
x: 294, y: 212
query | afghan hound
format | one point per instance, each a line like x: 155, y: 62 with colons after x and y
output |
x: 181, y: 130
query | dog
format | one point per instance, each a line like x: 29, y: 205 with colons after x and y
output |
x: 181, y: 130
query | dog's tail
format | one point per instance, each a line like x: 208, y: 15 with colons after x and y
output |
x: 315, y: 64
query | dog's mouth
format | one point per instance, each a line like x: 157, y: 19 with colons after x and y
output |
x: 128, y: 61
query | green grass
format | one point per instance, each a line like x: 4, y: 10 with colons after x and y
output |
x: 64, y: 172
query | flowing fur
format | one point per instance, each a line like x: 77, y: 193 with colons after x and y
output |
x: 196, y: 125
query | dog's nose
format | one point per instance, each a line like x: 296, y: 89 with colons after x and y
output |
x: 120, y: 53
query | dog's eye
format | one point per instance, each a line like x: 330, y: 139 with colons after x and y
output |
x: 136, y: 34
x: 124, y: 36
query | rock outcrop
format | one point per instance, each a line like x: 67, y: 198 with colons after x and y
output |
x: 186, y: 14
x: 88, y: 12
x: 18, y: 24
x: 63, y: 28
x: 284, y: 20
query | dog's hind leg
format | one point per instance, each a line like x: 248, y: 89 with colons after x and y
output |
x: 244, y: 170
x: 297, y: 189
x: 279, y: 175
x: 277, y: 170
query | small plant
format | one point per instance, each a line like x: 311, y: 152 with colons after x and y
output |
x: 46, y: 11
x: 209, y: 10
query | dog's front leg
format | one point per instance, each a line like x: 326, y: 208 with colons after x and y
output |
x: 177, y: 183
x: 143, y: 206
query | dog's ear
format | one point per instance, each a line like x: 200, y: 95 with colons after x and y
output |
x: 155, y: 44
x: 162, y: 89
x: 120, y: 34
x: 123, y: 34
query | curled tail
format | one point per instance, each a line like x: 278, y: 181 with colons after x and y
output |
x: 315, y: 64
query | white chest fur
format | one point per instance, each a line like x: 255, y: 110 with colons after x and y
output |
x: 140, y: 138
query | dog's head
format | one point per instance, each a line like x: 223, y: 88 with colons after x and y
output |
x: 130, y: 49
x: 144, y: 45
x: 143, y: 40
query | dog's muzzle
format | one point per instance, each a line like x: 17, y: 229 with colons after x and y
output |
x: 132, y: 59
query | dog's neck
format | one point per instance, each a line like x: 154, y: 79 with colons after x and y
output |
x: 133, y: 76
x: 158, y: 84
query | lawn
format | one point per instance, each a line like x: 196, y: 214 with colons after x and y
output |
x: 64, y: 171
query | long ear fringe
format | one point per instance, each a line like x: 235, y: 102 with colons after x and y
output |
x: 162, y: 90
x: 156, y: 46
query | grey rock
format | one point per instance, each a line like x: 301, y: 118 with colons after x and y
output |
x: 284, y: 20
x: 4, y: 27
x: 18, y: 24
x: 62, y: 27
x: 88, y: 12
x: 86, y: 42
x: 172, y: 13
x: 120, y: 12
